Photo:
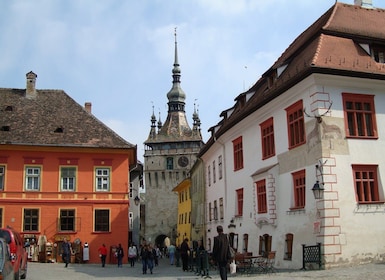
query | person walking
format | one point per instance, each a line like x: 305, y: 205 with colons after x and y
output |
x: 171, y: 253
x: 120, y: 255
x: 144, y: 255
x: 103, y: 254
x: 221, y: 252
x: 66, y: 251
x: 184, y: 253
x: 157, y: 254
x: 132, y: 254
x: 151, y: 257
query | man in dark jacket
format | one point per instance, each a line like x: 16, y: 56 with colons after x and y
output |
x: 221, y: 252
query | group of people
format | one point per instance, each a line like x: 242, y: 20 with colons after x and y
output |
x: 150, y: 255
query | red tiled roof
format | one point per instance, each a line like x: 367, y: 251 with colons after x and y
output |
x: 331, y: 45
x: 33, y: 121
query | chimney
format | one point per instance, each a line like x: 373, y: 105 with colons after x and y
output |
x: 88, y: 107
x: 364, y: 3
x: 31, y: 83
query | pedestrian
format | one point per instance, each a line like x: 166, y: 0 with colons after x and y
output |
x: 171, y: 253
x: 157, y: 254
x: 103, y: 254
x: 221, y: 252
x: 120, y: 255
x: 144, y: 254
x: 184, y: 253
x: 66, y: 251
x: 132, y: 254
x: 151, y: 257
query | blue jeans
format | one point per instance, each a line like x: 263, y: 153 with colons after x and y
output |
x: 144, y: 266
x: 172, y: 258
x: 150, y: 264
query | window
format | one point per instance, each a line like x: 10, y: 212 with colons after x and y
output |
x: 360, y: 117
x: 267, y: 135
x: 239, y: 193
x: 170, y: 163
x: 31, y: 220
x: 238, y: 153
x: 67, y: 220
x: 366, y: 183
x: 378, y: 53
x: 288, y: 246
x: 130, y: 221
x: 209, y: 174
x: 1, y: 217
x: 68, y: 178
x: 299, y: 189
x: 2, y: 177
x: 102, y: 179
x: 32, y: 178
x: 221, y: 216
x: 215, y: 210
x: 261, y: 196
x: 210, y: 212
x: 264, y: 245
x: 220, y: 167
x: 295, y: 125
x: 245, y: 242
x: 214, y: 175
x: 102, y: 220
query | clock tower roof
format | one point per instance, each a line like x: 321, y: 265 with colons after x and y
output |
x: 176, y: 127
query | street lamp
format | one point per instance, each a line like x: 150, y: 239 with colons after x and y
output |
x: 137, y: 200
x: 318, y: 190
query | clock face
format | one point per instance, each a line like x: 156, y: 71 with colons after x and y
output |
x: 183, y: 161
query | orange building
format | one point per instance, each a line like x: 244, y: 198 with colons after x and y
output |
x: 63, y: 174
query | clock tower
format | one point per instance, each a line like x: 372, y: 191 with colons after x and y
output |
x: 170, y: 152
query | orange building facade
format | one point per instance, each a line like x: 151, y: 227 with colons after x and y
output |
x: 77, y: 191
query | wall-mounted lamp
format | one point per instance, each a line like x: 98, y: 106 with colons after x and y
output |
x: 137, y: 200
x: 318, y: 190
x: 231, y: 226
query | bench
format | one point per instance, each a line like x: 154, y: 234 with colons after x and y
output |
x: 243, y: 264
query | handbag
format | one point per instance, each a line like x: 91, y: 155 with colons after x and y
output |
x: 233, y: 267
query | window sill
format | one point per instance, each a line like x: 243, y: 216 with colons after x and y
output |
x: 372, y: 207
x: 295, y: 211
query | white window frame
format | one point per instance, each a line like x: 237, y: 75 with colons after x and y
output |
x: 65, y: 184
x: 32, y: 178
x: 102, y: 179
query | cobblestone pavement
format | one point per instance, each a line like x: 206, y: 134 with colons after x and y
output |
x: 165, y: 271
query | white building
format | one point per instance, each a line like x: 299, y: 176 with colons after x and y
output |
x: 317, y: 115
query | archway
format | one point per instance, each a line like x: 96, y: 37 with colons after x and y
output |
x: 159, y: 241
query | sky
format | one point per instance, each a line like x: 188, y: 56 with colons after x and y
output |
x: 119, y: 54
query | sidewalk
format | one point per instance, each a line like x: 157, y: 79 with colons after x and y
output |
x: 165, y: 271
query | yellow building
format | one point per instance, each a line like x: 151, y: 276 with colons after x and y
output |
x: 184, y: 211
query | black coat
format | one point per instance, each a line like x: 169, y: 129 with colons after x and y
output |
x: 221, y: 249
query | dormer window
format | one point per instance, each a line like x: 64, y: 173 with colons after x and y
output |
x: 378, y: 53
